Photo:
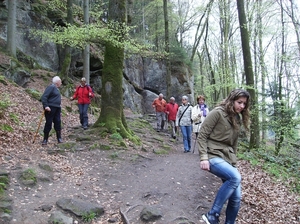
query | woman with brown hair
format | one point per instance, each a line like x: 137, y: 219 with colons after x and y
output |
x: 218, y: 142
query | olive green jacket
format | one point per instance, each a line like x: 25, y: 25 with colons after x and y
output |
x: 217, y: 137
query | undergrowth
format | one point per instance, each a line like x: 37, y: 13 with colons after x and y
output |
x: 285, y: 166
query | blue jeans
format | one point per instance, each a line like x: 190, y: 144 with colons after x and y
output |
x: 187, y: 137
x: 84, y: 120
x: 230, y: 190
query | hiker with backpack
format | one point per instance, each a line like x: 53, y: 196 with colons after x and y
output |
x: 83, y: 93
x: 184, y: 120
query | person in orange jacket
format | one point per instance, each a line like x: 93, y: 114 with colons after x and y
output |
x: 171, y: 111
x: 159, y: 104
x: 83, y: 93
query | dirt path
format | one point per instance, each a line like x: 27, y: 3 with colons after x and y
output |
x: 116, y: 179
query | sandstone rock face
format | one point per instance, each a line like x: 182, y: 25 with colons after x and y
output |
x: 144, y: 78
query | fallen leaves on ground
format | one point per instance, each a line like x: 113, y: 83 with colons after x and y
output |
x: 265, y: 200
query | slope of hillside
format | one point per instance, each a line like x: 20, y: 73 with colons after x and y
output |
x: 138, y: 177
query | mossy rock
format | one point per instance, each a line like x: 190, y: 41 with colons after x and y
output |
x: 28, y: 177
x: 105, y: 147
x: 34, y: 94
x: 67, y: 145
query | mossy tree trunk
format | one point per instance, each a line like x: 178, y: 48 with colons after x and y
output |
x: 64, y: 67
x: 112, y: 117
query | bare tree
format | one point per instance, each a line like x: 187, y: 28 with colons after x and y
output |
x: 254, y: 129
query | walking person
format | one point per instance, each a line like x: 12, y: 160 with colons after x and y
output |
x: 159, y: 104
x: 83, y: 93
x: 184, y: 120
x: 171, y: 111
x: 218, y: 142
x: 51, y: 100
x: 199, y: 113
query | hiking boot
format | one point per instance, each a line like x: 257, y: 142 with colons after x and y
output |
x: 211, y: 219
x: 46, y: 136
x: 58, y: 136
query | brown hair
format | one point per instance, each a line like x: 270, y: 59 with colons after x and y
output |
x: 200, y: 97
x: 228, y: 105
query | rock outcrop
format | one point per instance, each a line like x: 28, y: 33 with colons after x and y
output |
x: 144, y: 78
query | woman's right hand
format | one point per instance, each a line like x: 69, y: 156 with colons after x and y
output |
x: 204, y: 165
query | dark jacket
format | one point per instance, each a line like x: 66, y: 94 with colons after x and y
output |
x: 217, y: 137
x: 51, y: 97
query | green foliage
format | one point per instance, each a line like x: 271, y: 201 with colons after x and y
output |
x: 2, y: 80
x: 88, y: 216
x: 178, y: 53
x: 114, y: 155
x: 105, y: 147
x: 4, y: 104
x: 29, y: 174
x: 94, y: 146
x: 34, y: 93
x: 3, y: 182
x: 14, y: 118
x: 161, y: 151
x: 6, y: 128
x: 116, y: 136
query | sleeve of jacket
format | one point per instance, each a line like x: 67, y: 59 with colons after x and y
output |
x: 195, y: 113
x: 206, y: 128
x: 91, y: 92
x: 76, y: 93
x: 178, y: 116
x: 46, y: 95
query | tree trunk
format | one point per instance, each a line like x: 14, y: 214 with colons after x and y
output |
x: 11, y: 27
x: 167, y: 43
x: 66, y: 61
x: 263, y: 70
x: 254, y: 129
x: 279, y: 106
x: 112, y: 118
x: 86, y: 51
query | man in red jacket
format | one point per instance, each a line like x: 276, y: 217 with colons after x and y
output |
x: 171, y: 111
x: 159, y: 104
x: 84, y: 93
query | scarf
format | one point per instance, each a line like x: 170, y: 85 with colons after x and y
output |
x: 202, y: 108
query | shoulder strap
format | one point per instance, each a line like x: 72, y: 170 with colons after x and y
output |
x: 183, y: 114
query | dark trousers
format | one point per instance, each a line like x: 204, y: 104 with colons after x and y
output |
x: 83, y: 115
x: 53, y: 116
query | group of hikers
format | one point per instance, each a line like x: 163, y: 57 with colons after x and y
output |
x: 216, y: 131
x: 217, y: 134
x: 187, y: 117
